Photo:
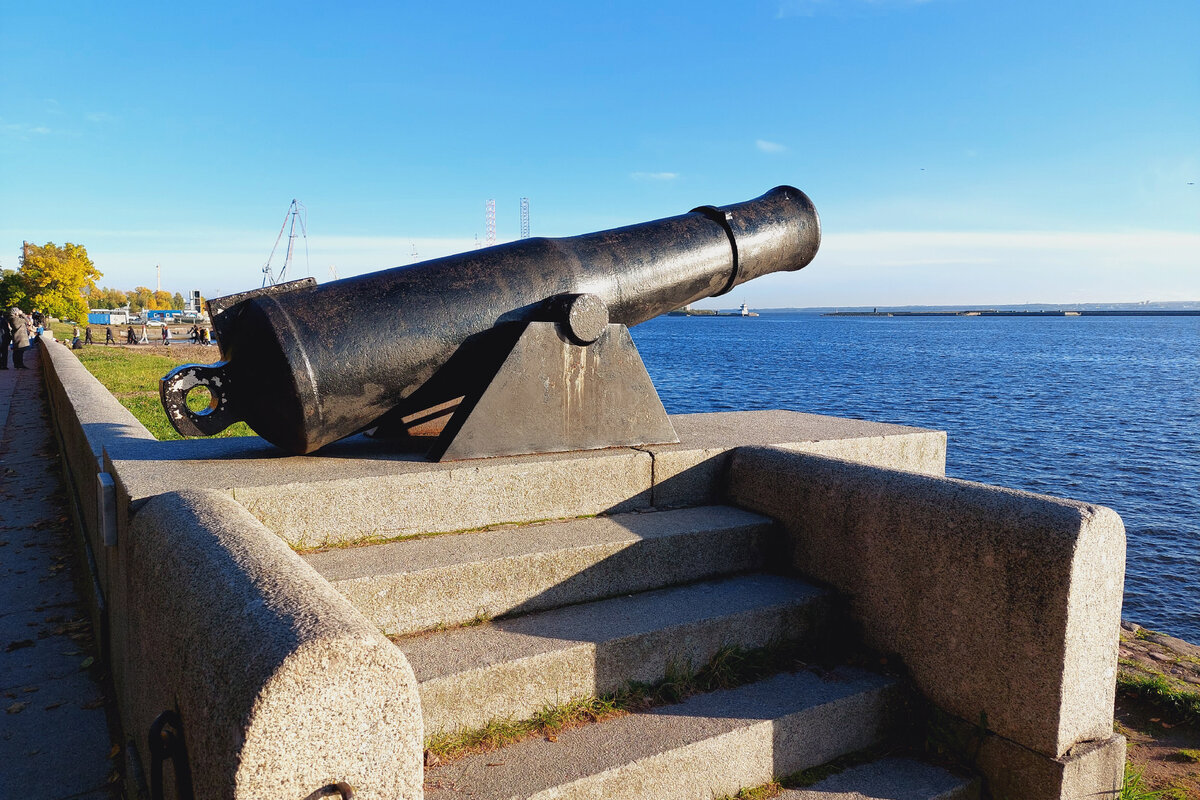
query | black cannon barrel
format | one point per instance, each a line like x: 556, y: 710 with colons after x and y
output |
x: 307, y: 366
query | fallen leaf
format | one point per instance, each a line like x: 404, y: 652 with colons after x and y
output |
x: 91, y: 704
x: 17, y: 645
x: 114, y: 750
x: 87, y: 662
x: 53, y: 706
x: 16, y: 708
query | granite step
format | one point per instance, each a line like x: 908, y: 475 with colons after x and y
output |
x: 890, y: 779
x: 512, y: 668
x: 419, y: 584
x: 707, y: 746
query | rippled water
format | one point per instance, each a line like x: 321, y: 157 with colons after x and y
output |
x: 1102, y: 409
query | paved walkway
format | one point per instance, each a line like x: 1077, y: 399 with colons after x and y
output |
x: 54, y: 738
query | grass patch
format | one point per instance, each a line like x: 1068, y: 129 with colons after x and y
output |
x: 1132, y: 788
x: 1158, y: 691
x: 729, y: 667
x: 132, y: 376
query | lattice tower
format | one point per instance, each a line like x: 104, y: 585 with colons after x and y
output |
x: 524, y: 217
x: 489, y: 230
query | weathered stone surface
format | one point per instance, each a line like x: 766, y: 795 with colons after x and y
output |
x: 694, y: 471
x: 513, y: 668
x: 705, y: 747
x: 418, y: 584
x: 281, y: 685
x: 893, y: 778
x: 1088, y: 771
x: 1000, y: 602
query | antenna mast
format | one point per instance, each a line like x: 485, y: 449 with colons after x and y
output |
x: 524, y: 217
x: 490, y: 223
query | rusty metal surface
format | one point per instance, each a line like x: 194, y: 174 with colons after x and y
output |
x: 305, y: 365
x: 583, y: 398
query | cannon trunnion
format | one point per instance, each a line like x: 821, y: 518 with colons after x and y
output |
x: 519, y: 348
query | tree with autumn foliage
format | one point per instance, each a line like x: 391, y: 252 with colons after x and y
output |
x: 56, y: 278
x: 141, y: 299
x: 107, y: 297
x: 12, y: 290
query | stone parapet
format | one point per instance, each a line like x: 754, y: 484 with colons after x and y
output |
x: 282, y: 686
x: 1004, y: 606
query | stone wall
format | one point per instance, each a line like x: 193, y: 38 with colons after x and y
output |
x: 1004, y: 606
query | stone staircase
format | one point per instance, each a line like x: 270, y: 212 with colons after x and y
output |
x: 499, y: 624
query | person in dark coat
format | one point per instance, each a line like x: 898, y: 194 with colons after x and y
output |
x: 5, y: 341
x: 18, y: 326
x: 108, y: 337
x: 87, y: 335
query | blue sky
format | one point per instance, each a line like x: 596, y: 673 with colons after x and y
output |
x: 959, y: 151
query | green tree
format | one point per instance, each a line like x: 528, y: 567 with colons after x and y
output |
x: 106, y: 298
x: 56, y: 279
x: 177, y: 301
x: 140, y: 299
x: 12, y: 290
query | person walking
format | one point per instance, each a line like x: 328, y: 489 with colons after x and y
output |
x: 87, y: 335
x: 166, y: 334
x: 18, y: 325
x: 145, y: 336
x: 5, y: 342
x: 108, y: 337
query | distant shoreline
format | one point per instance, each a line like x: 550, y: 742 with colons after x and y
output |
x: 998, y: 313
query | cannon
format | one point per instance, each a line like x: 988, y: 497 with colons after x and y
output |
x: 519, y: 348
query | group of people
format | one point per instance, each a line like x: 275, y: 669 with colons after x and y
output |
x: 16, y: 331
x: 198, y: 336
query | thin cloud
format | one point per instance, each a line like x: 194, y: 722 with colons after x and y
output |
x: 769, y: 147
x: 24, y: 129
x: 654, y: 176
x: 99, y: 116
x: 898, y: 268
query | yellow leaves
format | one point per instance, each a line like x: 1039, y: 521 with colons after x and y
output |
x: 55, y: 278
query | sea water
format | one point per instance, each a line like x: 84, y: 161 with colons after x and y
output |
x: 1100, y: 409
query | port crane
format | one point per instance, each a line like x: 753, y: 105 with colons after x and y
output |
x: 297, y: 214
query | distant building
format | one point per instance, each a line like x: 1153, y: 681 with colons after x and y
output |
x: 107, y: 316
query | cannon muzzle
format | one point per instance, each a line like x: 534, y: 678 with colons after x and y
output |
x: 305, y: 365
